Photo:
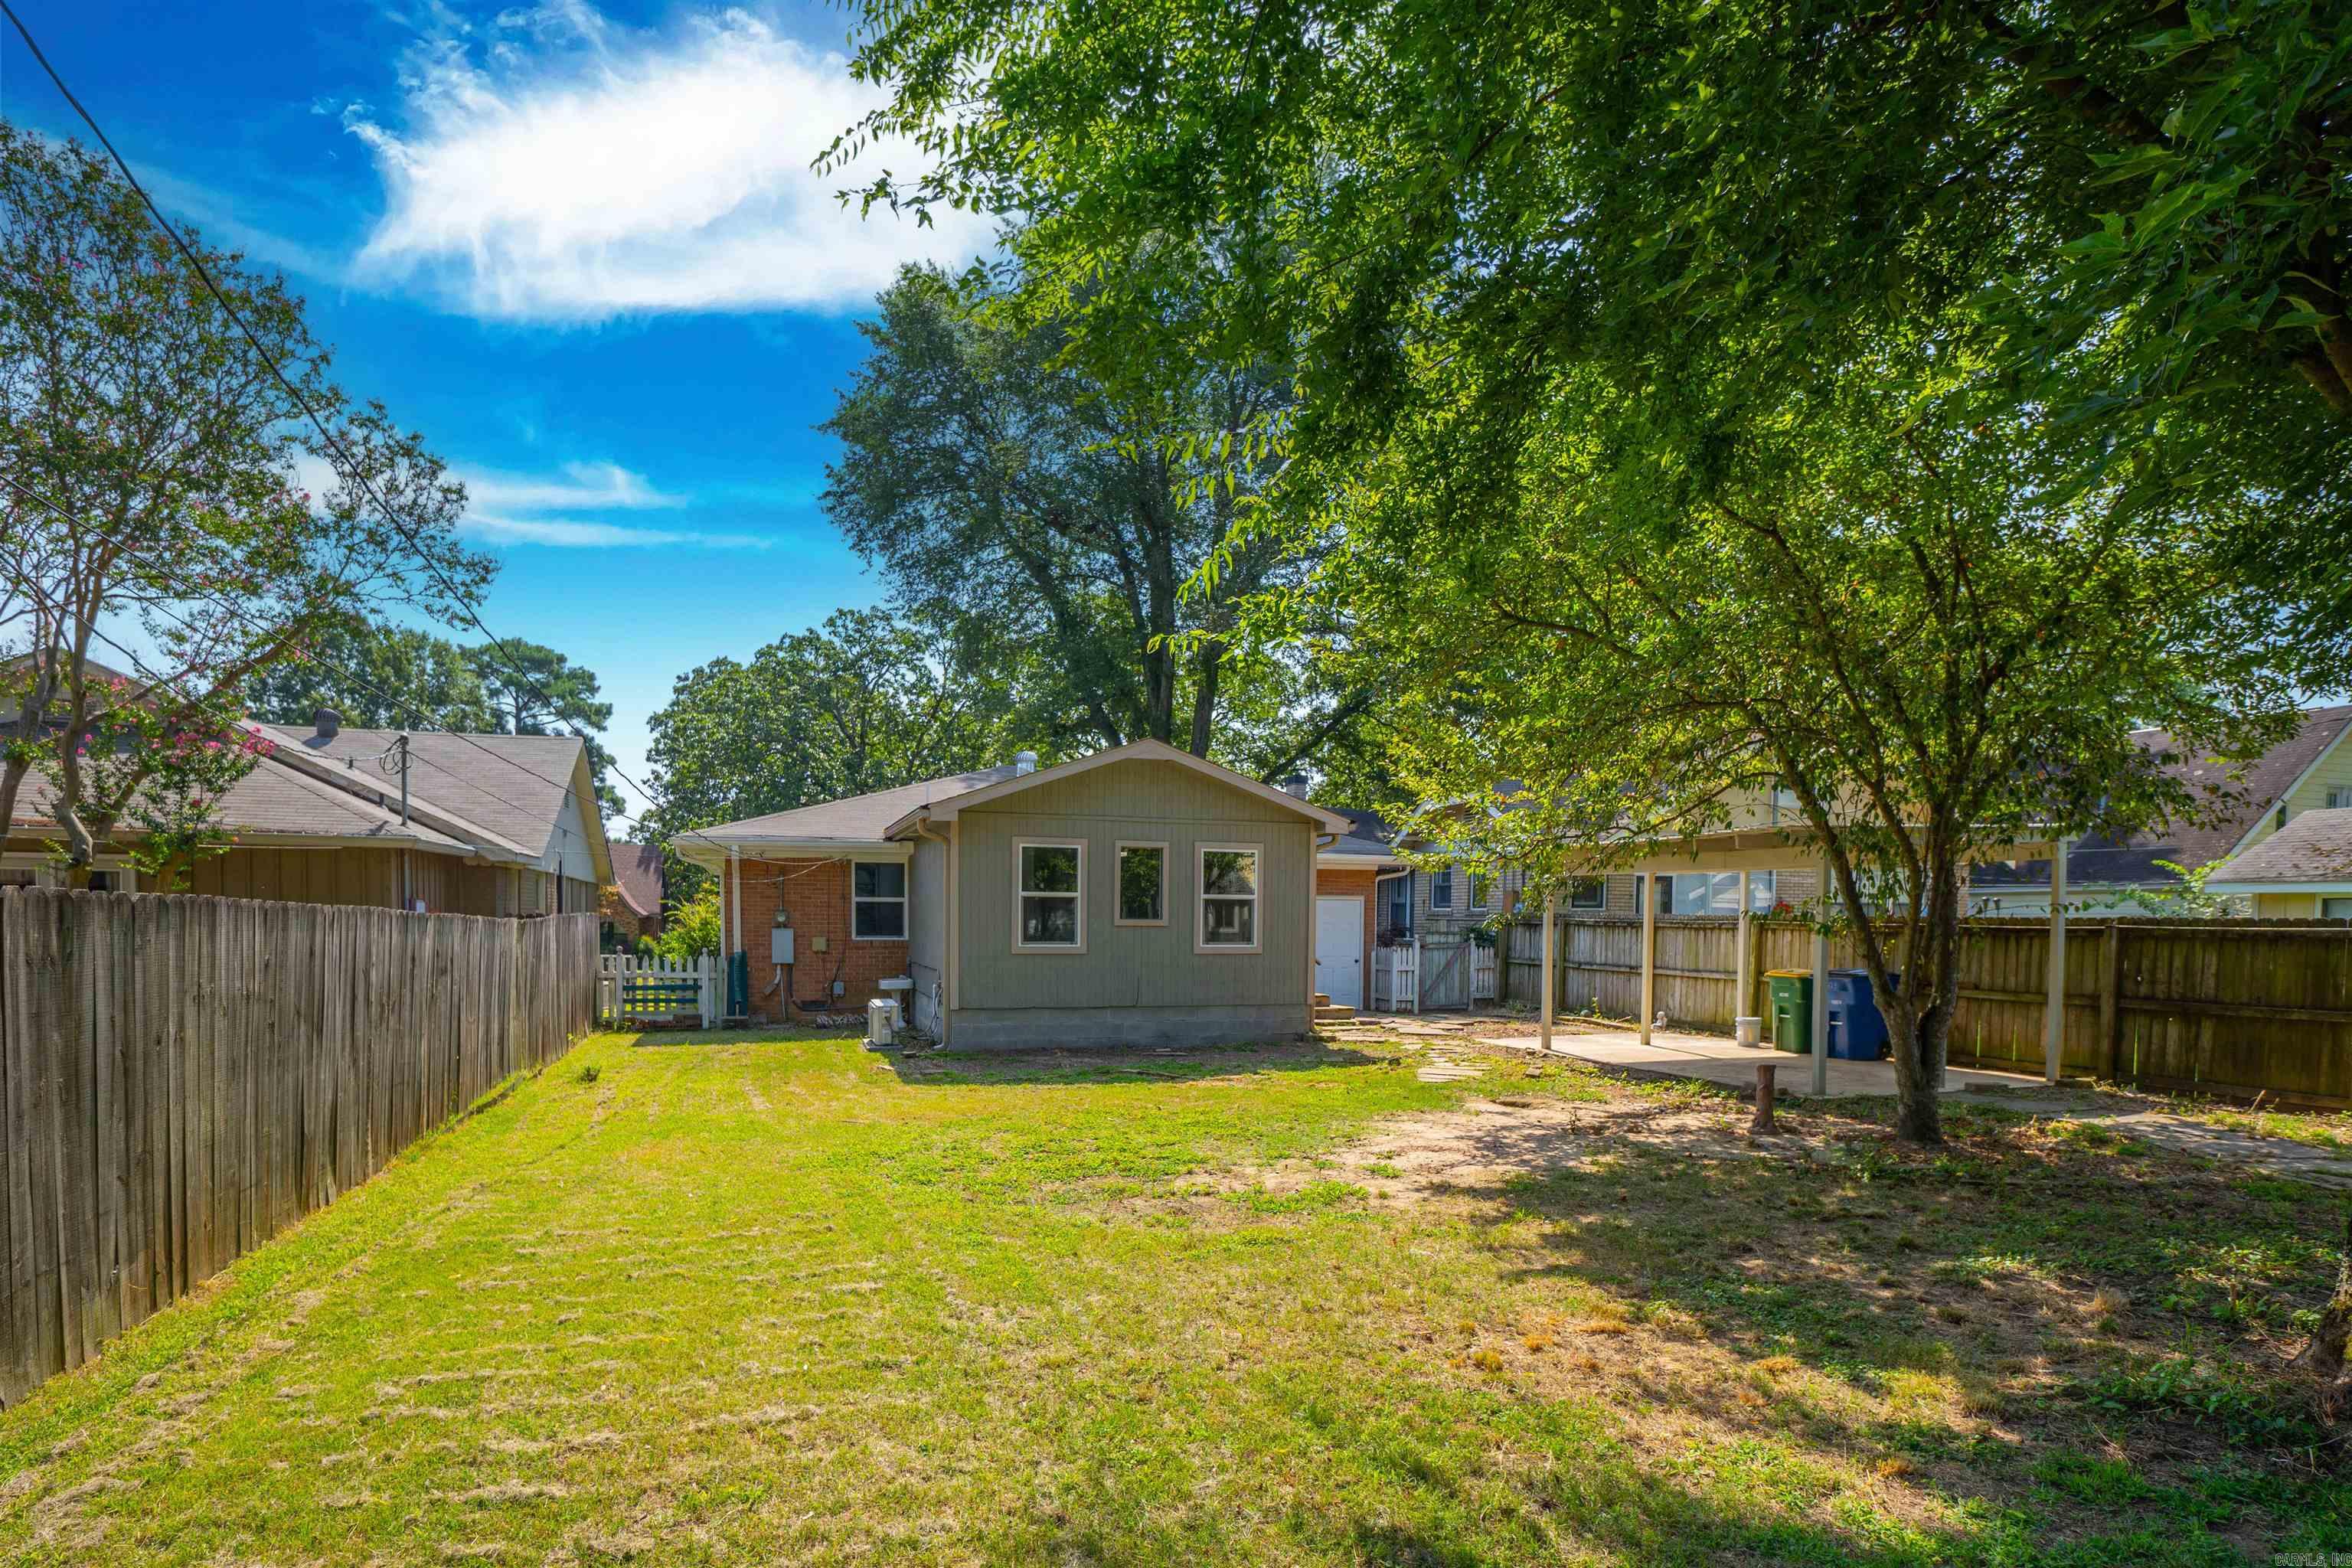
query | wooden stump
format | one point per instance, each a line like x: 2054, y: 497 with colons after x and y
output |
x: 1765, y: 1086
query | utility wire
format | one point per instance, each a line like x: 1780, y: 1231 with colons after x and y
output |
x: 356, y: 477
x: 395, y: 703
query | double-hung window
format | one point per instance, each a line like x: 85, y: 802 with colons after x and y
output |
x: 1482, y: 892
x: 1588, y: 894
x: 1050, y: 912
x: 1440, y: 889
x: 878, y: 900
x: 1142, y: 885
x: 1229, y: 891
x: 2340, y: 796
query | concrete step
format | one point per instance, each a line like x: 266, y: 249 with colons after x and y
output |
x: 1321, y: 1000
x: 1330, y: 1013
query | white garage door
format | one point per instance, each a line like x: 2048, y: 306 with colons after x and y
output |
x: 1339, y: 950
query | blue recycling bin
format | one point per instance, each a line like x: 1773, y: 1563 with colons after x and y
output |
x: 1857, y: 1028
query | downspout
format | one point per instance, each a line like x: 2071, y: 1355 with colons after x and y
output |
x: 1378, y: 877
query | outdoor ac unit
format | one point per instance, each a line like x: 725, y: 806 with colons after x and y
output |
x: 881, y: 1022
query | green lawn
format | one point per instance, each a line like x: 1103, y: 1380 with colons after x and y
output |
x: 759, y: 1299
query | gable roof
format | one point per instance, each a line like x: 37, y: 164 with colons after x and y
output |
x: 638, y: 872
x: 503, y: 794
x: 878, y: 820
x: 280, y: 801
x: 2312, y: 853
x: 2261, y: 783
x: 949, y: 808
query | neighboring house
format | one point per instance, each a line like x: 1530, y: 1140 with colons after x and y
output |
x: 2310, y: 770
x: 2301, y: 871
x: 1354, y: 873
x: 494, y: 825
x: 638, y: 881
x: 1139, y: 896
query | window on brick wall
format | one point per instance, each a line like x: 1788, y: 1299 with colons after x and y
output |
x: 878, y: 900
x: 1440, y: 888
x: 1588, y: 894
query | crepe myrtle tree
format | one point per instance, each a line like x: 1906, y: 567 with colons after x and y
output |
x: 159, y: 766
x: 1894, y: 616
x: 162, y: 487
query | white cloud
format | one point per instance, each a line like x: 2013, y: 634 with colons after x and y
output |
x: 591, y: 486
x: 574, y: 534
x: 505, y: 507
x: 562, y: 167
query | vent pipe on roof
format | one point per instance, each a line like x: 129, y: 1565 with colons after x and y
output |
x: 327, y: 722
x: 1024, y: 764
x: 1296, y: 785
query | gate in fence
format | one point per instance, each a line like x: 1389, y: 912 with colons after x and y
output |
x: 631, y: 990
x: 1445, y: 973
x: 1396, y: 978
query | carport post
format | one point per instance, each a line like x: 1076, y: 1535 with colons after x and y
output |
x: 1821, y: 988
x: 2053, y: 1015
x: 1745, y: 978
x: 1649, y: 951
x: 1543, y: 1017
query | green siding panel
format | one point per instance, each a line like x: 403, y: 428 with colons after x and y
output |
x: 1135, y: 966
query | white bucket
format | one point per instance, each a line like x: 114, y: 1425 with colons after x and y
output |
x: 1748, y: 1031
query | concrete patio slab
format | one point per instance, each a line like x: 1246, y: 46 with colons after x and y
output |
x: 1719, y: 1060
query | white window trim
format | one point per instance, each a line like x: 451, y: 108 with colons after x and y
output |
x: 1019, y: 845
x: 1447, y: 907
x: 47, y: 873
x: 900, y: 900
x: 1200, y: 895
x: 1118, y: 880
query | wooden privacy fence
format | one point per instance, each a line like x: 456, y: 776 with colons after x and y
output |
x: 2222, y: 1007
x: 182, y: 1078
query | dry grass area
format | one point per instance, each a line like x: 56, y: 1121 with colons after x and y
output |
x: 758, y: 1299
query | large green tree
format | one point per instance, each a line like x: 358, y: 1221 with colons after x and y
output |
x: 378, y: 676
x: 1054, y: 518
x: 2135, y: 217
x: 150, y: 478
x: 858, y: 704
x: 535, y: 691
x: 1903, y: 616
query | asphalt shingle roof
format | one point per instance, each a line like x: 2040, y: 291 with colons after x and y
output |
x: 637, y: 869
x: 514, y: 785
x: 276, y: 799
x: 2097, y: 861
x: 1371, y: 836
x: 2316, y: 847
x: 859, y: 818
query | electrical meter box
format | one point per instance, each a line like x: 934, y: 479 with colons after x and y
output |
x: 780, y: 944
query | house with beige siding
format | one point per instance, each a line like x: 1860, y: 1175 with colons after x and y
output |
x: 1139, y: 896
x: 2310, y: 770
x: 489, y: 825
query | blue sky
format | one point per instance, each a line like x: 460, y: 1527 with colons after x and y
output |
x: 579, y: 247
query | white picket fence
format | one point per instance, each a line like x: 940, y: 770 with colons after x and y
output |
x: 631, y: 990
x: 1396, y: 977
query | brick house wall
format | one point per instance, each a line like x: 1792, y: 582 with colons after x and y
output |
x: 816, y: 893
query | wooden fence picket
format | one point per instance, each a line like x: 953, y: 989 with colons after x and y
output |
x: 183, y: 1078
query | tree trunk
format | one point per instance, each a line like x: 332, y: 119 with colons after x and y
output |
x: 2325, y: 1353
x: 1210, y: 668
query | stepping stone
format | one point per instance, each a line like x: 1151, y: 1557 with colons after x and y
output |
x: 1444, y: 1071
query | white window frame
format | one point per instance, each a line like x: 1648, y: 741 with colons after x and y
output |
x: 1447, y: 907
x: 47, y: 873
x: 1118, y: 881
x: 1201, y: 897
x: 1482, y: 893
x: 1020, y: 846
x: 2340, y: 796
x: 856, y: 900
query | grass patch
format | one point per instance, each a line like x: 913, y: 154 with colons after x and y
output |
x: 750, y: 1298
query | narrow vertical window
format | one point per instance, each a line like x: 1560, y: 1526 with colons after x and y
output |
x: 1229, y: 894
x: 1142, y: 885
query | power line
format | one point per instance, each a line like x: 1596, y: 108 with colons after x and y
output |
x: 395, y: 702
x: 334, y: 445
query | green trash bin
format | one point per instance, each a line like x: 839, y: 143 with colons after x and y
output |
x: 1791, y: 990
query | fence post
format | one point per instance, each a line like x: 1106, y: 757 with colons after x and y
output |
x: 2111, y: 969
